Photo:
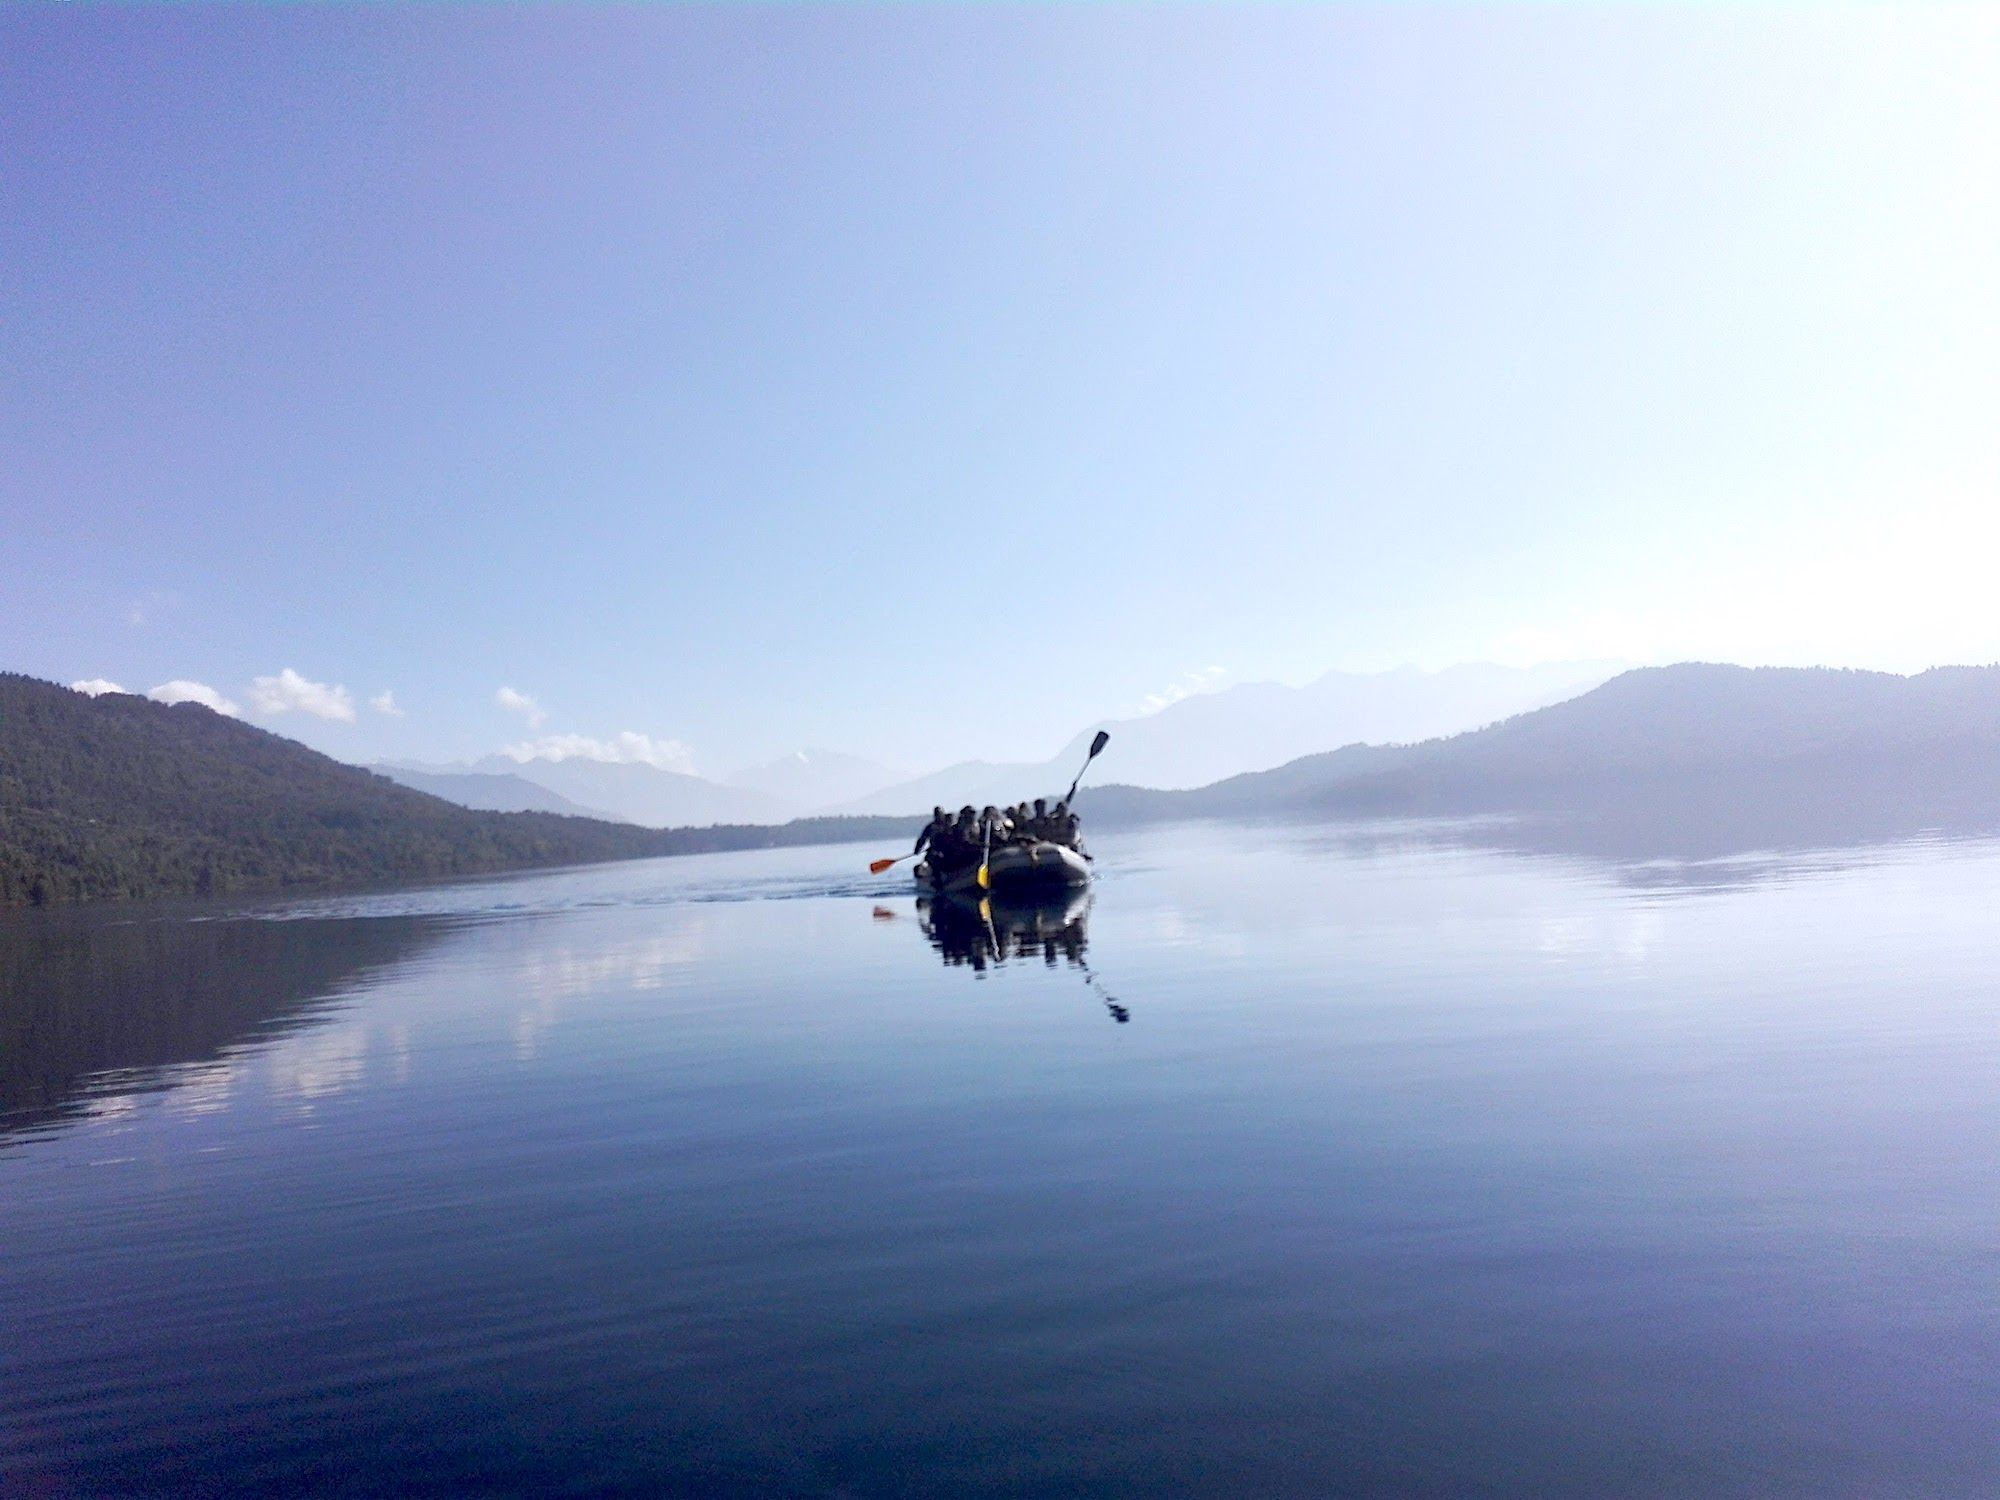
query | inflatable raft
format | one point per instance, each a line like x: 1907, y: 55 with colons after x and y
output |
x: 1022, y: 870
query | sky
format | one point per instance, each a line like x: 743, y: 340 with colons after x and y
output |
x: 696, y: 384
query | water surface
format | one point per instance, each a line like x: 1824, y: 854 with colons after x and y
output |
x: 1396, y: 1161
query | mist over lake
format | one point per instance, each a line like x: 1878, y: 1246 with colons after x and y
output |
x: 1371, y: 1159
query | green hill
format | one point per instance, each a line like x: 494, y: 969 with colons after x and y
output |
x: 118, y: 796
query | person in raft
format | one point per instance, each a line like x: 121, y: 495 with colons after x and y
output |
x: 955, y: 843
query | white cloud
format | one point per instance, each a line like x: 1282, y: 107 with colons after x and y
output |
x: 1201, y: 680
x: 384, y: 702
x: 520, y: 703
x: 95, y: 687
x: 180, y: 690
x: 624, y: 749
x: 288, y: 691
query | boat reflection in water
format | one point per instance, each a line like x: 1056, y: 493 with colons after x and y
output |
x: 988, y: 933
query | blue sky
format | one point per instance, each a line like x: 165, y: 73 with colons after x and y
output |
x: 930, y: 382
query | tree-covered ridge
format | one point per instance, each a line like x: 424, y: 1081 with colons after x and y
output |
x: 118, y: 796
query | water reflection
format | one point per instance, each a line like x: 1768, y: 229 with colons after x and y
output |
x: 94, y: 1002
x: 1706, y: 835
x: 1733, y: 838
x: 1465, y: 1173
x: 986, y: 934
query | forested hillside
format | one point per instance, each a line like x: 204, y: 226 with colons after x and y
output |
x: 118, y: 796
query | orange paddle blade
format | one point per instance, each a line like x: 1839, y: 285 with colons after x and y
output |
x: 877, y: 866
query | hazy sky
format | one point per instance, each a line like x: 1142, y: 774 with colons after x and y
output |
x: 929, y: 383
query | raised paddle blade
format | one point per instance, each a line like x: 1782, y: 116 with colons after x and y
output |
x: 1097, y: 743
x: 877, y: 866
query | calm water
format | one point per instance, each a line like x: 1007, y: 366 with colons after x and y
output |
x: 1338, y: 1163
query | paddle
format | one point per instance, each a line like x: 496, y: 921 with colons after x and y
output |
x: 986, y: 855
x: 1103, y: 739
x: 877, y: 866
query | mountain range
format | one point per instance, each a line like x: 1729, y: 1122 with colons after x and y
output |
x: 490, y: 791
x: 121, y: 796
x: 1255, y: 726
x: 1198, y: 740
x: 1695, y: 730
x: 623, y: 791
x: 815, y: 780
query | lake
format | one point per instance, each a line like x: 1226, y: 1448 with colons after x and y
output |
x: 1392, y: 1160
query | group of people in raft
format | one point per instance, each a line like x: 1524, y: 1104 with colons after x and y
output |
x: 957, y: 842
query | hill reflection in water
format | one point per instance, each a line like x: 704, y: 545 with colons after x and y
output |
x: 95, y: 1000
x: 1697, y: 836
